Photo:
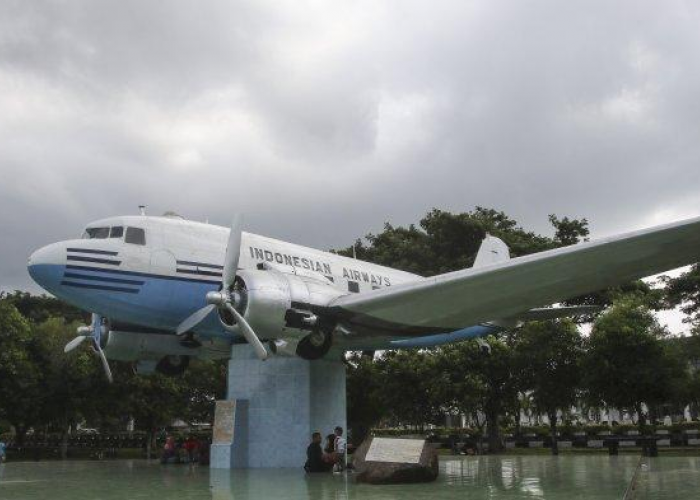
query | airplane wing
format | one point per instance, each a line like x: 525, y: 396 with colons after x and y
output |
x: 458, y: 299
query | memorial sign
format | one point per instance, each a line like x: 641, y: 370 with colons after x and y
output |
x: 395, y: 460
x: 405, y: 451
x: 224, y: 415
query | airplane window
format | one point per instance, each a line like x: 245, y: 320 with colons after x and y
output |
x: 135, y: 235
x: 96, y: 233
x: 353, y: 286
x: 117, y: 232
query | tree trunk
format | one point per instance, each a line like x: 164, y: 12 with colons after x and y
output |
x: 641, y: 419
x: 64, y: 444
x: 494, y: 437
x: 553, y: 432
x: 653, y: 414
x: 149, y: 444
x: 20, y: 434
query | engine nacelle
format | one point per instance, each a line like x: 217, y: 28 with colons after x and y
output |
x: 279, y: 305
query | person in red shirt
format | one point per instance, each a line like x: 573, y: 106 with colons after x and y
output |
x: 192, y: 448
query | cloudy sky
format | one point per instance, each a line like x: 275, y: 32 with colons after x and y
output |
x: 323, y: 119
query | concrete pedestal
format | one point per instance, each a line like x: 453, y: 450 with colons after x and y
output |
x: 287, y: 400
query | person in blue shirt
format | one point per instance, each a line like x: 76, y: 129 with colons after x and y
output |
x: 3, y: 453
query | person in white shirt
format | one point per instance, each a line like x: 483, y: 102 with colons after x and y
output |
x: 340, y: 448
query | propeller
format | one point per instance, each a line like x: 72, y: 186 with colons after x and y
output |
x: 225, y: 299
x: 94, y: 332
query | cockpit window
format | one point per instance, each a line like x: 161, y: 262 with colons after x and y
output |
x: 96, y: 233
x: 117, y: 232
x: 135, y: 235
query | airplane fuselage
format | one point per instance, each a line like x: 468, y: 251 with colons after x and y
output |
x: 155, y: 271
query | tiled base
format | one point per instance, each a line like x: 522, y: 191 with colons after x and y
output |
x: 288, y: 399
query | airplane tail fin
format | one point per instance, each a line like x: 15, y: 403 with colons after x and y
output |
x: 492, y: 251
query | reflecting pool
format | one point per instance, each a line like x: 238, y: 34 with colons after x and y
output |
x: 563, y: 477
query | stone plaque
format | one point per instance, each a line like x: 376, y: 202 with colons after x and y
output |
x: 224, y: 414
x: 404, y: 451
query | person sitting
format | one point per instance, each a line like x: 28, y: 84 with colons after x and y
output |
x: 191, y: 446
x: 169, y: 450
x: 314, y: 456
x: 329, y: 455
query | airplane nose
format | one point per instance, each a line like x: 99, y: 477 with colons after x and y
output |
x: 43, y: 265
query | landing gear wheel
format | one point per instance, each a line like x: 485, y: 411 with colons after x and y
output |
x: 315, y: 345
x: 173, y: 366
x: 484, y: 346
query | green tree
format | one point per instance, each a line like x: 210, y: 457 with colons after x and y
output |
x: 550, y: 354
x: 154, y: 401
x: 481, y: 383
x: 19, y: 375
x: 462, y: 390
x: 366, y: 406
x: 39, y: 308
x: 684, y: 291
x: 72, y: 384
x: 447, y: 241
x: 203, y: 383
x: 626, y: 364
x: 409, y: 389
x: 569, y: 231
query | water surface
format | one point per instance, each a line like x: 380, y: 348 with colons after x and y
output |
x: 563, y: 477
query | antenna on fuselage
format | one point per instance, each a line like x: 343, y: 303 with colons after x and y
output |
x: 142, y: 209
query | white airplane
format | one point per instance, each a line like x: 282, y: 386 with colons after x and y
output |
x: 163, y: 290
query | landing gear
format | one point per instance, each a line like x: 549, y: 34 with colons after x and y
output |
x: 173, y: 366
x: 315, y: 345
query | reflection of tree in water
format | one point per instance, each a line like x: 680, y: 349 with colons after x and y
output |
x: 534, y: 475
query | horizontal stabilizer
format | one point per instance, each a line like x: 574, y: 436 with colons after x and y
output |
x: 545, y: 313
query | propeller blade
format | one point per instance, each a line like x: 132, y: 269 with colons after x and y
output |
x: 249, y: 334
x: 96, y: 328
x: 74, y: 343
x: 105, y: 364
x: 194, y: 319
x: 233, y: 252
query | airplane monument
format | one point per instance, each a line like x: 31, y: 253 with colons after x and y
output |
x: 164, y: 290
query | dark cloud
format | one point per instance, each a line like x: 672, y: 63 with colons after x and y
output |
x: 321, y: 120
